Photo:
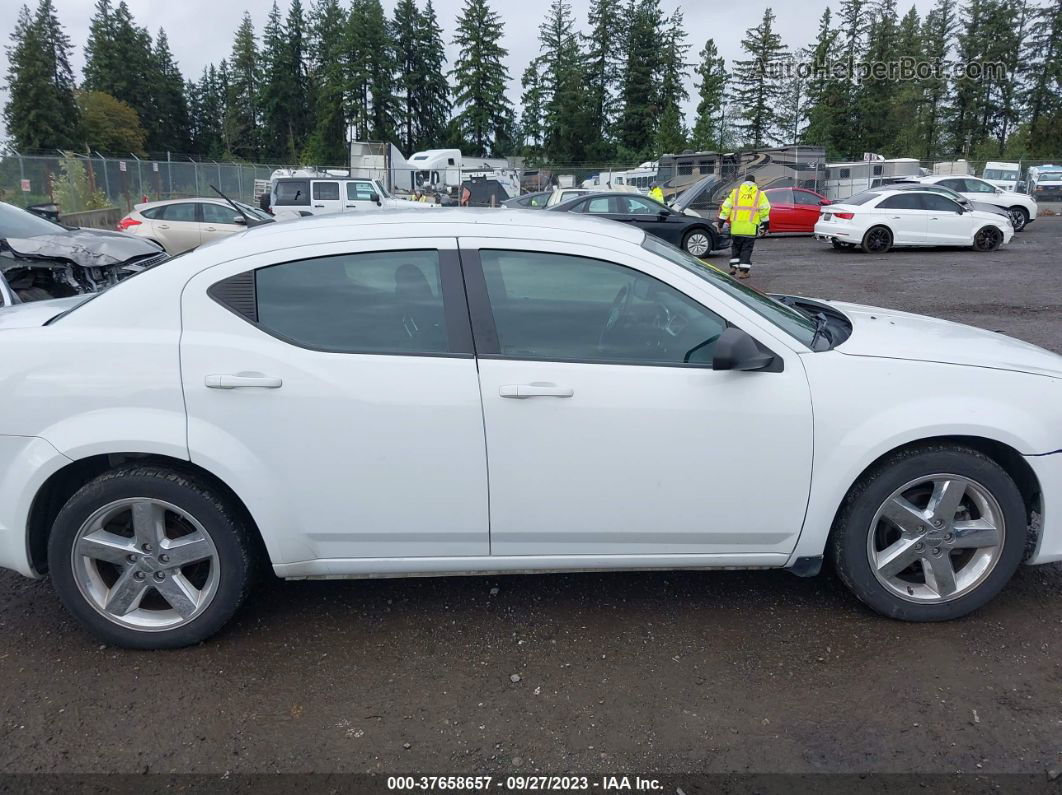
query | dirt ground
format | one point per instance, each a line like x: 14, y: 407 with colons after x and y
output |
x: 590, y: 673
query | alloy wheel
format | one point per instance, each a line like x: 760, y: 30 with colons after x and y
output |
x: 936, y: 538
x: 878, y: 239
x: 987, y: 239
x: 698, y: 244
x: 1017, y: 219
x: 145, y: 564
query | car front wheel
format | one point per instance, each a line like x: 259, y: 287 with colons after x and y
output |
x: 698, y: 242
x: 1019, y: 217
x: 988, y: 238
x: 148, y: 557
x: 930, y: 534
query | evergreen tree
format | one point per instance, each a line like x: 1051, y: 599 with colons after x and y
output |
x: 242, y: 130
x: 853, y: 22
x: 327, y: 83
x: 671, y: 133
x: 434, y: 90
x: 485, y: 118
x: 101, y: 65
x: 531, y: 120
x: 565, y: 133
x: 604, y: 71
x: 1043, y: 57
x: 357, y: 92
x: 874, y: 129
x: 793, y: 100
x: 40, y: 112
x: 379, y: 54
x: 121, y: 62
x: 407, y: 37
x: 937, y: 33
x: 826, y: 91
x: 757, y: 90
x: 711, y: 90
x: 907, y: 111
x: 640, y: 91
x: 283, y: 103
x: 171, y: 132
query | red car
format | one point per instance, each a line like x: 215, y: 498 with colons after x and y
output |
x: 794, y: 209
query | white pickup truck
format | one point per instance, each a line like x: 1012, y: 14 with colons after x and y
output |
x: 294, y: 197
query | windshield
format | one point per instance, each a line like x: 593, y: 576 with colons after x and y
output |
x: 996, y: 173
x: 692, y: 193
x: 785, y: 317
x: 16, y: 222
x: 1050, y: 176
x: 254, y: 212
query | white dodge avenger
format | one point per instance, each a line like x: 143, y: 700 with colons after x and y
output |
x: 467, y: 391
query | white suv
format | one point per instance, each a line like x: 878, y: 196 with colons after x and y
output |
x: 295, y: 197
x: 1021, y: 207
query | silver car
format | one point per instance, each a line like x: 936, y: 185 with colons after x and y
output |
x: 182, y: 224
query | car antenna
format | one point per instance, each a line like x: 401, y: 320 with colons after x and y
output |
x: 250, y: 221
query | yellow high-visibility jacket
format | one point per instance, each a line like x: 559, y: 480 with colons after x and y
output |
x: 746, y: 208
x: 657, y: 193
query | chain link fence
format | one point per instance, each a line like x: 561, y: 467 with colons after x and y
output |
x: 78, y: 182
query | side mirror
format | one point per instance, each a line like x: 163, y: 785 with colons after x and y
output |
x: 663, y: 213
x: 736, y: 350
x: 239, y: 220
x: 374, y: 197
x: 960, y: 211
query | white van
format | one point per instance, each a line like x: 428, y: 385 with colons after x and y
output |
x: 1002, y: 175
x: 294, y: 197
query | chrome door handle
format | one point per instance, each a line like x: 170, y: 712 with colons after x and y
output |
x: 894, y: 218
x: 522, y: 391
x: 242, y: 380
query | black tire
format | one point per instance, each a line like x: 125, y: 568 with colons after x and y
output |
x: 987, y: 238
x: 713, y: 241
x: 34, y: 294
x: 849, y: 537
x: 1019, y: 217
x: 877, y: 240
x: 840, y: 245
x: 230, y: 536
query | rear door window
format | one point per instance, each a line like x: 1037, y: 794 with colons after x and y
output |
x: 377, y: 302
x: 902, y: 201
x: 183, y: 212
x: 326, y: 191
x: 216, y: 214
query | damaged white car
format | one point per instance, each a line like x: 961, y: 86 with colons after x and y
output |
x: 40, y: 259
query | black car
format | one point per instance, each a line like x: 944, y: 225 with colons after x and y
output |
x: 694, y: 235
x: 41, y: 259
x: 529, y: 201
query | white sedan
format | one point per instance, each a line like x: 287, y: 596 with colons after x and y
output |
x: 879, y: 219
x: 500, y: 391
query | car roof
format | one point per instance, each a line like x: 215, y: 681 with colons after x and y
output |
x: 164, y: 202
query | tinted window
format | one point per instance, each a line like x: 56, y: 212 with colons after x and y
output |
x: 293, y: 193
x: 380, y: 302
x: 954, y: 184
x: 804, y: 197
x: 185, y: 211
x: 16, y: 222
x: 845, y: 173
x: 152, y: 213
x: 902, y: 201
x: 326, y: 191
x: 780, y: 196
x: 934, y: 201
x: 977, y: 186
x: 563, y: 308
x: 216, y: 214
x: 360, y: 191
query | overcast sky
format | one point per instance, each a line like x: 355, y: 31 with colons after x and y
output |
x: 200, y: 31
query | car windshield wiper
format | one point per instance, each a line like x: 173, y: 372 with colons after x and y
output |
x: 822, y: 330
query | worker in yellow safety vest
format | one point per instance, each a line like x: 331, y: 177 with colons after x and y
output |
x: 657, y: 192
x: 747, y: 210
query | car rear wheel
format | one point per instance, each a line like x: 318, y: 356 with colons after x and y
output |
x: 988, y: 238
x: 147, y: 557
x: 1019, y: 217
x: 698, y: 242
x: 930, y: 534
x: 841, y: 245
x: 877, y: 240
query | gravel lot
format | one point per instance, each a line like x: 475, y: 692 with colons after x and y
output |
x: 621, y: 673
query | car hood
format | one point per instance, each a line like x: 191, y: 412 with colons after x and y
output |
x: 37, y: 313
x: 890, y: 334
x: 86, y: 247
